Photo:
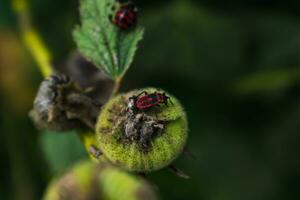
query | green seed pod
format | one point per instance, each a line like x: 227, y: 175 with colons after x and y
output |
x: 142, y: 140
x: 91, y: 181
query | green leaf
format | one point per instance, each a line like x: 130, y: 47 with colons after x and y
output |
x: 61, y: 149
x: 101, y: 42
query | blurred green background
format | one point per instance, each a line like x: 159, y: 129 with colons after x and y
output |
x: 235, y: 65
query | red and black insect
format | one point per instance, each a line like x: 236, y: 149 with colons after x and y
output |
x: 126, y: 16
x: 145, y: 101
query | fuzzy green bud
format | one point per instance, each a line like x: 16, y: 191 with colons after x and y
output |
x: 142, y: 140
x: 91, y: 181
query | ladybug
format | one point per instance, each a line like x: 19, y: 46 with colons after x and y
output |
x: 145, y: 101
x: 126, y: 16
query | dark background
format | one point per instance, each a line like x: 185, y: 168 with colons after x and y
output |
x: 235, y: 65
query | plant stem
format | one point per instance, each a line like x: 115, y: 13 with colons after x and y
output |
x: 41, y: 54
x: 31, y: 38
x: 117, y: 86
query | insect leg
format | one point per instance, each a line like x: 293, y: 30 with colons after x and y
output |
x: 144, y: 92
x: 94, y: 151
x: 178, y: 172
x: 187, y: 152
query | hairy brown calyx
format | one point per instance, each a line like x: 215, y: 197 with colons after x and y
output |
x: 61, y: 105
